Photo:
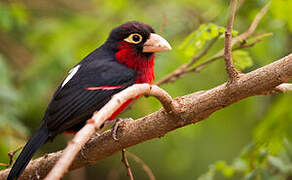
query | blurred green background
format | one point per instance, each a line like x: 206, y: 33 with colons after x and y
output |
x: 40, y: 41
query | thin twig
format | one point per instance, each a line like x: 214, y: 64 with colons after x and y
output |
x: 83, y: 135
x: 231, y: 71
x: 127, y: 165
x: 218, y: 56
x: 242, y: 37
x: 285, y: 87
x: 143, y: 165
x: 164, y: 23
x: 204, y: 64
x: 192, y: 108
x: 241, y: 2
x: 253, y: 25
x: 257, y: 40
x: 282, y: 88
x: 182, y: 69
x: 11, y: 155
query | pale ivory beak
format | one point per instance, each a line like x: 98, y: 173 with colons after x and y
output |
x: 156, y: 43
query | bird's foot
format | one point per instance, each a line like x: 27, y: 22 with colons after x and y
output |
x: 83, y: 156
x: 115, y: 127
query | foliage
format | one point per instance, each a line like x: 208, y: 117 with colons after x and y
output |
x: 194, y: 42
x: 11, y: 129
x: 242, y: 60
x: 254, y: 163
x: 41, y: 41
x: 281, y: 10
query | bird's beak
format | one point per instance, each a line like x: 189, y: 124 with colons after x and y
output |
x: 156, y: 43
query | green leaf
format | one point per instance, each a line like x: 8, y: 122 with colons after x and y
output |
x: 19, y: 13
x: 242, y: 60
x: 198, y: 38
x: 227, y: 171
x: 6, y: 21
x: 252, y: 175
x: 208, y: 175
x: 272, y: 129
x: 219, y: 165
x: 281, y: 9
x: 262, y: 155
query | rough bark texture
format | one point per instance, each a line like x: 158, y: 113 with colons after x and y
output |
x: 231, y: 71
x: 191, y: 109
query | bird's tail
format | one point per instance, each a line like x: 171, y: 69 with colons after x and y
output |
x: 33, y: 144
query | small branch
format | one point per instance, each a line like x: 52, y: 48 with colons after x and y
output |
x: 164, y: 22
x: 127, y: 165
x: 191, y: 108
x: 204, y: 52
x: 100, y: 117
x: 241, y: 2
x: 253, y: 25
x: 220, y: 55
x: 11, y: 155
x: 231, y: 71
x: 182, y: 69
x: 204, y: 64
x: 259, y: 38
x: 285, y: 87
x: 143, y: 165
x: 282, y: 88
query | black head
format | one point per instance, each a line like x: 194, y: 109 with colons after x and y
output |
x: 139, y: 37
x: 137, y: 32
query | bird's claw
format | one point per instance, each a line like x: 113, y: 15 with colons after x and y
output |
x: 116, y: 126
x: 82, y: 153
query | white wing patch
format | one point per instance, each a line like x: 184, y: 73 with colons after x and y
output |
x: 72, y: 72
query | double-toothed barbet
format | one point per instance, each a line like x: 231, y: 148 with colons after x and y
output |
x: 126, y: 58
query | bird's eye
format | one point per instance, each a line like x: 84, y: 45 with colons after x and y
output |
x: 134, y: 38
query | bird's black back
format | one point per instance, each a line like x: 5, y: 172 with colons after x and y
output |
x: 72, y: 104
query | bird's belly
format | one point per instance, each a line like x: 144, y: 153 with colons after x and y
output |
x: 121, y: 108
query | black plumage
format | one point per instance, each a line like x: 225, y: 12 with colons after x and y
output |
x: 73, y: 103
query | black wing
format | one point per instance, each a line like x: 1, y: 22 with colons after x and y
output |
x: 73, y: 104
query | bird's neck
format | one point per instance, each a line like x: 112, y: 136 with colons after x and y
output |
x: 143, y: 65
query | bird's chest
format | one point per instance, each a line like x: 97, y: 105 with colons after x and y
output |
x: 142, y: 65
x: 142, y: 77
x: 145, y: 76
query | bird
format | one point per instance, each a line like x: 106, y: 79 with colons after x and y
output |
x: 125, y: 58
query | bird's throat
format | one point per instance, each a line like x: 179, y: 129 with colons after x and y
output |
x: 143, y: 65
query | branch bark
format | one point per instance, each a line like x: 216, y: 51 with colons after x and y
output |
x: 191, y: 108
x: 127, y: 165
x: 231, y: 71
x: 93, y: 124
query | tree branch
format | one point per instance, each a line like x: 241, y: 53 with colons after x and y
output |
x: 93, y: 124
x: 253, y: 25
x: 221, y: 54
x: 182, y: 70
x: 143, y: 165
x: 285, y: 87
x: 127, y: 165
x: 231, y: 71
x: 191, y: 108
